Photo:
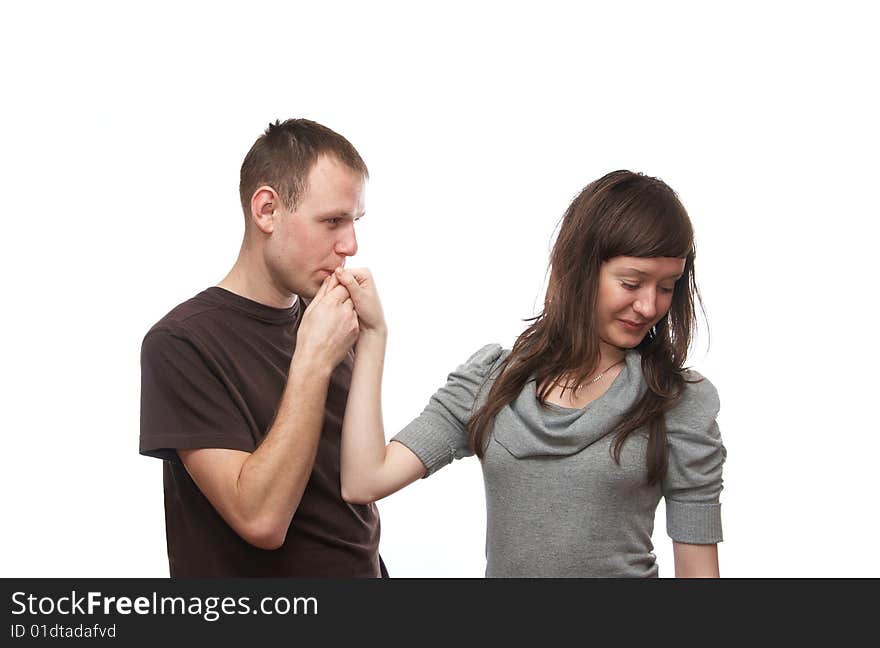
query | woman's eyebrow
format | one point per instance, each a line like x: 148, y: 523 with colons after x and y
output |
x: 646, y: 274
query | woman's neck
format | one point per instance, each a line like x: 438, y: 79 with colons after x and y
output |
x: 609, y: 355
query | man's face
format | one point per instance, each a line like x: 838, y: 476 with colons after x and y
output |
x: 308, y: 243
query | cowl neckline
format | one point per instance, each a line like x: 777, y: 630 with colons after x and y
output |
x: 528, y: 429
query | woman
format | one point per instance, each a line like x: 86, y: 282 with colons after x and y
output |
x: 588, y: 420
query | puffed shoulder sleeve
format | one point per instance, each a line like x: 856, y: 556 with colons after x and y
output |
x: 184, y: 404
x: 438, y: 435
x: 696, y: 455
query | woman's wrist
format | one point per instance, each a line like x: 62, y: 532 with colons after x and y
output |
x: 378, y: 331
x: 373, y: 336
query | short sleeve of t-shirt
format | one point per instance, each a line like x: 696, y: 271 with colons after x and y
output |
x: 439, y: 434
x: 693, y: 482
x: 184, y: 404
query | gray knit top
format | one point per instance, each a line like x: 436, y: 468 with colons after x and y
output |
x: 557, y: 504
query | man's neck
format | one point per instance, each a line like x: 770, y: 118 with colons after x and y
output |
x: 250, y: 278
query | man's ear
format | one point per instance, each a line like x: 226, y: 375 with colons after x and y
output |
x: 264, y: 204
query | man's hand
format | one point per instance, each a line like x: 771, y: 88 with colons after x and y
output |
x: 362, y: 289
x: 329, y: 325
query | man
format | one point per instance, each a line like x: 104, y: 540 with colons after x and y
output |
x: 244, y: 386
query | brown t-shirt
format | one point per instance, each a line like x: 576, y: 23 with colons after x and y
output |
x: 212, y: 374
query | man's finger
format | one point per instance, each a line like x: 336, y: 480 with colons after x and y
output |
x: 321, y: 291
x: 339, y: 293
x: 332, y: 282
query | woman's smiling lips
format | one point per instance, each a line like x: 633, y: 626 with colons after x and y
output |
x: 632, y: 326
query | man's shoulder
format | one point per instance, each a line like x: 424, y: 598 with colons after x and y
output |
x: 180, y: 319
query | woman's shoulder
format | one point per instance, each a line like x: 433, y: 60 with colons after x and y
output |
x: 698, y: 401
x: 696, y: 450
x: 484, y: 359
x: 469, y: 379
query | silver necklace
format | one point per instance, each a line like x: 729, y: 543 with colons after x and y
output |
x: 596, y: 379
x: 607, y: 369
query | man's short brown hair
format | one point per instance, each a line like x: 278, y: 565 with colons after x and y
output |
x: 283, y: 156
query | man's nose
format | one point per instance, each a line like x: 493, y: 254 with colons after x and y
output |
x: 347, y: 243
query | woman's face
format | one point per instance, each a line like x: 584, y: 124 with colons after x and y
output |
x: 634, y: 294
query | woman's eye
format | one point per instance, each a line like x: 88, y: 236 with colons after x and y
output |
x: 629, y: 286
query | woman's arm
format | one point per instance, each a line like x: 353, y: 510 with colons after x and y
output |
x: 370, y: 470
x: 695, y: 560
x: 693, y: 480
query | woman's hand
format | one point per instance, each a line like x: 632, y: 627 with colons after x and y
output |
x: 362, y: 288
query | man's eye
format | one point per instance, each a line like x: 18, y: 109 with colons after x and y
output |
x: 333, y: 221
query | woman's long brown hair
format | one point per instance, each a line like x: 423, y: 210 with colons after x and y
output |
x: 621, y: 214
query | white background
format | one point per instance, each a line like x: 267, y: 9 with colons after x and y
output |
x: 123, y: 129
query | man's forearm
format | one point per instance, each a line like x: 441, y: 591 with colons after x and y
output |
x: 363, y: 436
x: 272, y: 479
